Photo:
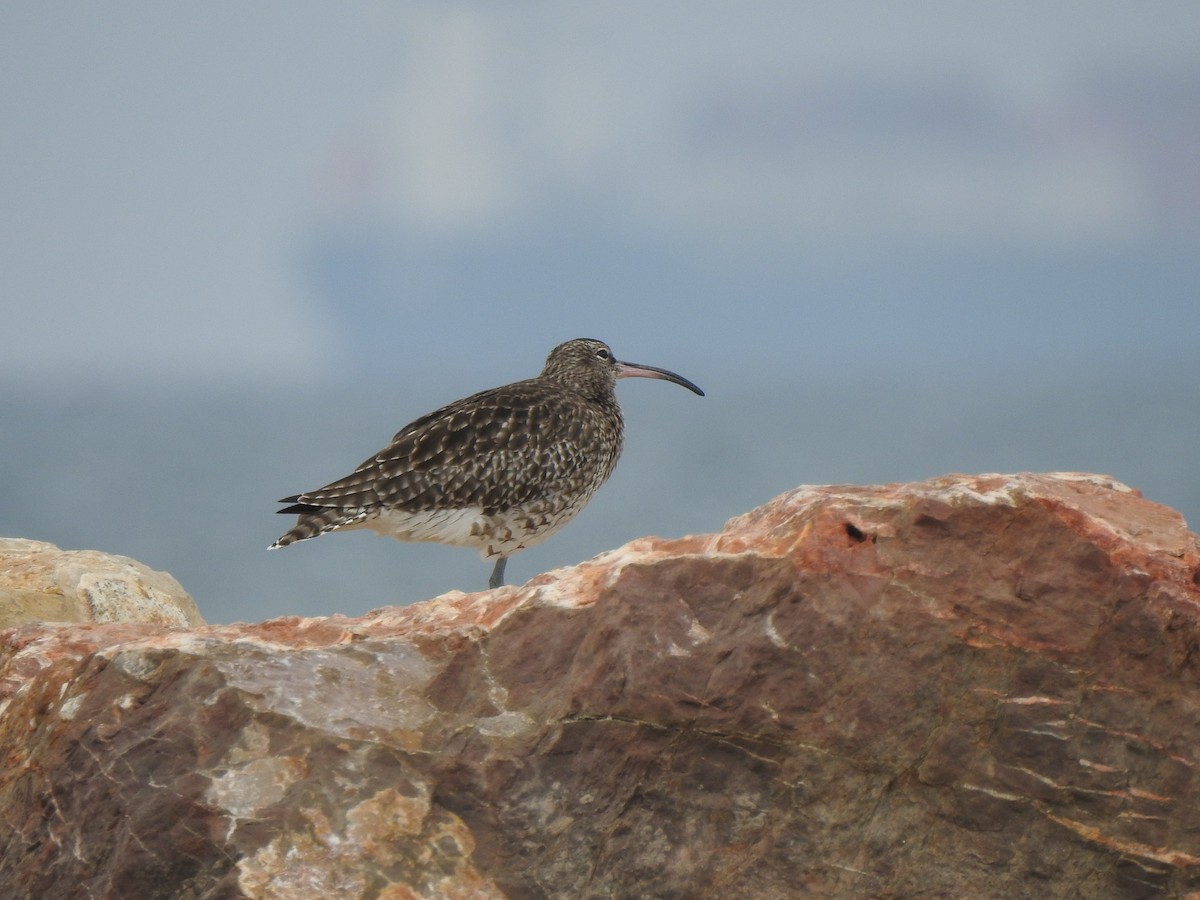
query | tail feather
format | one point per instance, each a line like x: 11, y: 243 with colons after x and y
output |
x: 314, y: 521
x: 301, y: 509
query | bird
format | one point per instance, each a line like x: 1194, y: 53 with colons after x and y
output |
x: 498, y: 471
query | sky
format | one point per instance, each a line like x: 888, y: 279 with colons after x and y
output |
x: 271, y: 193
x: 242, y: 244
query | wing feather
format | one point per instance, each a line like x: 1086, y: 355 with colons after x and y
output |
x: 494, y: 450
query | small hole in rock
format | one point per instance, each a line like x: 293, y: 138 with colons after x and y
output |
x: 856, y: 533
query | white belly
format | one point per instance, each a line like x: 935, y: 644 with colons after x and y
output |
x: 501, y: 534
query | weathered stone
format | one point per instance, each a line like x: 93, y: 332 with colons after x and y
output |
x: 41, y: 583
x: 969, y: 687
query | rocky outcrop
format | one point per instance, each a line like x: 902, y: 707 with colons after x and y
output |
x: 41, y: 583
x: 969, y: 687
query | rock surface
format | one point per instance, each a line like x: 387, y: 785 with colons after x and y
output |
x: 41, y: 583
x: 969, y: 687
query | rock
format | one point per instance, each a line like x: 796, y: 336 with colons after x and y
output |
x: 968, y: 687
x: 41, y: 583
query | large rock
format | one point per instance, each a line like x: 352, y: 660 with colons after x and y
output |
x: 970, y: 687
x: 41, y: 583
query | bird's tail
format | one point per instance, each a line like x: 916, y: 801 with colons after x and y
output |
x: 314, y: 521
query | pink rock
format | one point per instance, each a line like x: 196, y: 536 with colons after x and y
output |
x: 975, y: 686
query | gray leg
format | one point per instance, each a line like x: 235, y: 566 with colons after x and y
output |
x: 497, y: 578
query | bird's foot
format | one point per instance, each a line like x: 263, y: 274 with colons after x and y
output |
x: 497, y: 578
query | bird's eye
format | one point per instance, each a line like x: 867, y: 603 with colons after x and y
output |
x: 603, y: 353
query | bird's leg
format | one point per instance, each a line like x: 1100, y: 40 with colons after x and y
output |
x: 497, y: 578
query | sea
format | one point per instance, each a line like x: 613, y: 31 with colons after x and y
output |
x: 186, y: 479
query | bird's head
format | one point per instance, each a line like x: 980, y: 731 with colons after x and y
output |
x: 589, y: 366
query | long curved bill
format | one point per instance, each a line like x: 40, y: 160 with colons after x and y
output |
x: 633, y: 370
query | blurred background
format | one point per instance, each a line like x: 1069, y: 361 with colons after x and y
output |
x: 243, y: 244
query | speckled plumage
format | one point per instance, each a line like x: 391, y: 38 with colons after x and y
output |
x: 499, y: 471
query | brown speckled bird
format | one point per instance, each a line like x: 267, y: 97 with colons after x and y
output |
x: 499, y: 471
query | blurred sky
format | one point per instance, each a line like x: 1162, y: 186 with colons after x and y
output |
x: 272, y: 192
x: 242, y: 244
